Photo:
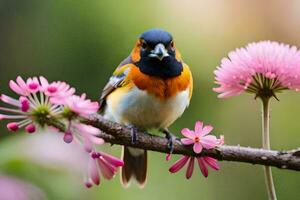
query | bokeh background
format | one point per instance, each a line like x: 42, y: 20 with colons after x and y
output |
x: 82, y: 42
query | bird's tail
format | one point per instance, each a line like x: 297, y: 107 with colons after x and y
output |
x: 135, y: 166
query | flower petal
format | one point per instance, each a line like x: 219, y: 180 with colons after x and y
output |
x: 188, y: 133
x: 209, y: 141
x: 16, y: 88
x: 168, y: 157
x: 86, y: 128
x: 9, y: 100
x: 178, y: 164
x: 206, y: 130
x: 93, y: 171
x: 44, y: 83
x: 108, y: 171
x: 112, y: 160
x: 187, y: 141
x: 96, y: 140
x: 190, y: 168
x: 213, y: 163
x: 221, y: 141
x: 87, y: 144
x: 197, y: 147
x: 198, y: 128
x: 22, y: 83
x: 202, y: 167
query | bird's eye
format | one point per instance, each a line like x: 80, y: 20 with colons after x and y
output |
x: 144, y: 45
x: 172, y: 46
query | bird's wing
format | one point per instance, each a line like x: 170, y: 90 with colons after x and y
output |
x: 115, y: 81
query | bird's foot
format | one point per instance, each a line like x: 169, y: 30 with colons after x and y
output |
x: 171, y: 139
x: 134, y: 130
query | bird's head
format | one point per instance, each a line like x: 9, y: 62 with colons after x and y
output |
x: 156, y: 55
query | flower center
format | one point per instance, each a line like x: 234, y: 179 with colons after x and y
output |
x: 52, y: 89
x: 67, y: 113
x: 197, y: 139
x: 264, y: 86
x: 33, y: 86
x: 41, y: 114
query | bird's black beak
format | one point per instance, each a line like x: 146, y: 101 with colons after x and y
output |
x: 159, y: 52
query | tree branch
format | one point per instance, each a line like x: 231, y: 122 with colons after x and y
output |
x: 115, y: 133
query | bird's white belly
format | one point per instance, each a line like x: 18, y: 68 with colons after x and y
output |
x: 144, y: 110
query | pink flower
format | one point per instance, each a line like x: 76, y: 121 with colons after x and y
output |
x: 221, y: 140
x: 55, y: 105
x: 25, y: 111
x: 104, y: 164
x: 262, y: 68
x: 199, y: 137
x: 33, y: 85
x: 83, y: 133
x: 54, y: 101
x: 20, y: 86
x: 75, y: 106
x: 33, y: 106
x: 81, y: 106
x: 203, y: 162
x: 58, y: 91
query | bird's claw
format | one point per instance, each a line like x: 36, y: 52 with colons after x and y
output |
x: 171, y: 140
x: 133, y: 132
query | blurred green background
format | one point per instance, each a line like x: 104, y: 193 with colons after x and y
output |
x: 82, y: 41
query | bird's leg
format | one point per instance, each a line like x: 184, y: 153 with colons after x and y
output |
x: 134, y: 131
x: 171, y: 139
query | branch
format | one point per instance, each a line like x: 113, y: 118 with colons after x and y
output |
x: 115, y: 133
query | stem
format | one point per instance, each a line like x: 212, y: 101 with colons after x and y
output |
x: 115, y: 133
x: 266, y: 145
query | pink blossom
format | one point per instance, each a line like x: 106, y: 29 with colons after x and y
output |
x: 46, y: 104
x: 257, y: 68
x: 84, y: 133
x: 221, y: 140
x: 168, y: 157
x: 43, y: 100
x: 33, y: 85
x: 199, y: 137
x: 20, y: 87
x: 21, y: 113
x: 104, y: 164
x: 57, y: 90
x: 203, y: 163
x: 81, y: 106
x: 29, y: 105
x: 179, y: 164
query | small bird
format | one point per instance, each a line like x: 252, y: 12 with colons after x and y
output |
x: 150, y: 89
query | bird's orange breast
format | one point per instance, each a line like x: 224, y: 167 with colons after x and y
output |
x: 161, y: 88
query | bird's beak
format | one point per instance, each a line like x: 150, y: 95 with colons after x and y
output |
x: 159, y: 52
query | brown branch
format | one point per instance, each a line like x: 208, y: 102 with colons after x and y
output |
x: 117, y: 134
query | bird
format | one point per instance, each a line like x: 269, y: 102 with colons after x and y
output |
x: 150, y: 89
